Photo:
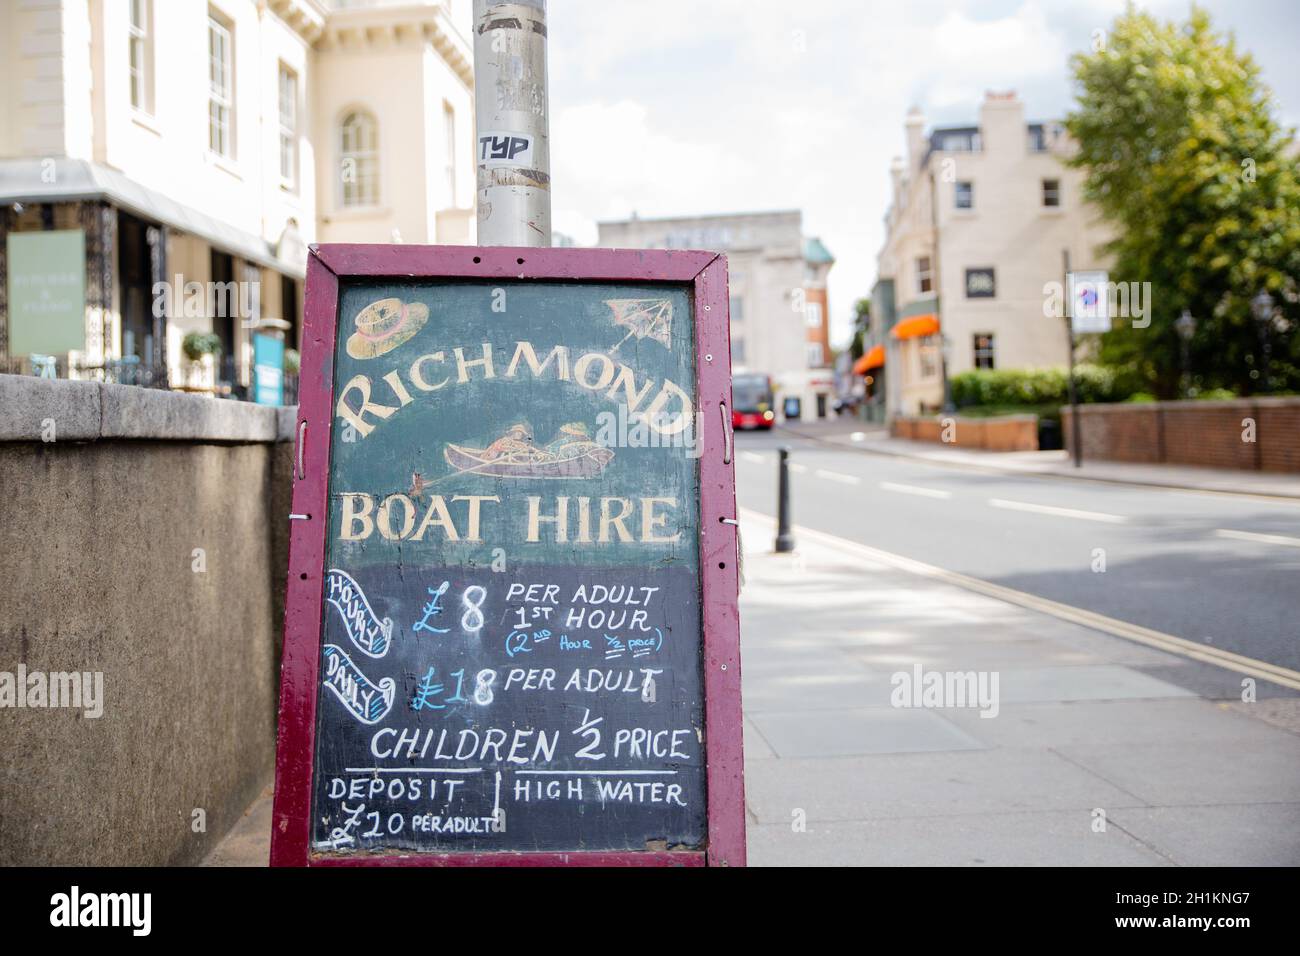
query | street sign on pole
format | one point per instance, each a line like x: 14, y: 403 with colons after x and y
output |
x: 1076, y: 432
x: 512, y: 143
x: 1088, y: 295
x: 268, y: 369
x: 511, y: 630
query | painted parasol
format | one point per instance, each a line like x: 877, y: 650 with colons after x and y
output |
x: 645, y: 318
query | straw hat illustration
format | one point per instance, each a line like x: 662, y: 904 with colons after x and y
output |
x: 384, y: 325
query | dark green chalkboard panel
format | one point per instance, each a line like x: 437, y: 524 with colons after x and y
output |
x: 511, y: 632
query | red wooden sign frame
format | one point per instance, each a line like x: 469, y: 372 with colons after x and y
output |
x: 300, y: 678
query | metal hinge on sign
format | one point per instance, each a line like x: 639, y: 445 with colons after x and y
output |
x: 726, y: 434
x: 740, y: 555
x: 299, y: 471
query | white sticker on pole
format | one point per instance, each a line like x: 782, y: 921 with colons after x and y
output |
x: 497, y: 148
x: 1089, y: 298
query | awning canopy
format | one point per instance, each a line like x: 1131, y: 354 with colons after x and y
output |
x: 916, y: 326
x: 873, y: 358
x: 24, y: 180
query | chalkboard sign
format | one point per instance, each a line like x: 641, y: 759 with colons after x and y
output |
x: 511, y: 634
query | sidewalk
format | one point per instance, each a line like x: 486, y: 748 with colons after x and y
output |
x: 875, y: 439
x: 1086, y: 733
x: 249, y: 842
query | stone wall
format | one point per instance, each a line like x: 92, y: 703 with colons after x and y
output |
x: 143, y: 538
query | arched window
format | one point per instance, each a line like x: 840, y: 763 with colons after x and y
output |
x: 359, y: 158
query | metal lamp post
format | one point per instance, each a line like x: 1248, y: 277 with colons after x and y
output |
x: 512, y: 123
x: 1262, y: 308
x: 1185, y: 325
x: 945, y: 353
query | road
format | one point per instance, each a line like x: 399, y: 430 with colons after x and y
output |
x: 1216, y: 569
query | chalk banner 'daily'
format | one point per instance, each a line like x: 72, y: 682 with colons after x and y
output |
x: 511, y: 630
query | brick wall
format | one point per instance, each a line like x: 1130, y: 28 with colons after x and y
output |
x: 1006, y: 433
x: 1206, y: 434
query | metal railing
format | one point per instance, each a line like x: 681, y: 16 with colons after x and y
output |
x: 217, y: 377
x: 124, y: 371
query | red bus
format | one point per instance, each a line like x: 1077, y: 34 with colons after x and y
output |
x: 752, y: 401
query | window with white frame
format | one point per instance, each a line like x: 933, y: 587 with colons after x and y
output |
x: 140, y: 60
x: 221, y: 87
x: 928, y: 354
x: 288, y: 128
x: 449, y: 136
x: 965, y: 194
x: 812, y: 312
x: 924, y: 275
x: 815, y: 355
x: 959, y: 141
x: 359, y: 159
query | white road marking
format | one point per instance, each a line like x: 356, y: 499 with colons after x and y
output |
x: 752, y: 456
x: 1142, y: 635
x: 798, y: 469
x: 1262, y: 538
x: 1059, y: 512
x: 837, y: 476
x: 915, y: 490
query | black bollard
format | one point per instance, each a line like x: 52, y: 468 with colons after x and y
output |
x: 784, y: 539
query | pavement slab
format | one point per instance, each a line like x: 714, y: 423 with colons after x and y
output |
x: 850, y: 732
x: 1115, y: 723
x: 985, y: 839
x: 934, y: 784
x: 249, y: 842
x: 1259, y: 768
x: 1255, y: 834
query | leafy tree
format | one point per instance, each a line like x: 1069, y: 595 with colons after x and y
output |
x: 1182, y: 154
x: 861, y: 322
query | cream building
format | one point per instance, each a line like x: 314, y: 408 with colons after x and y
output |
x: 209, y: 141
x: 980, y: 221
x: 779, y: 310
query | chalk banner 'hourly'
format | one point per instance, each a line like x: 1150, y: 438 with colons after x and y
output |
x: 511, y: 628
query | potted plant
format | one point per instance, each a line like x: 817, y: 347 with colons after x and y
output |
x: 202, y: 349
x: 196, y: 345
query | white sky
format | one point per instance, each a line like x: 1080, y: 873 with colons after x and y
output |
x: 685, y: 107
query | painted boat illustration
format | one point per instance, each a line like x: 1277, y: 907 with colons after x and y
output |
x: 572, y: 454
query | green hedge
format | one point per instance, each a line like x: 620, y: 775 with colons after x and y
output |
x: 1047, y: 386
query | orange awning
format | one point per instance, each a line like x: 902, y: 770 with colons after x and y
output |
x: 916, y: 326
x: 874, y: 358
